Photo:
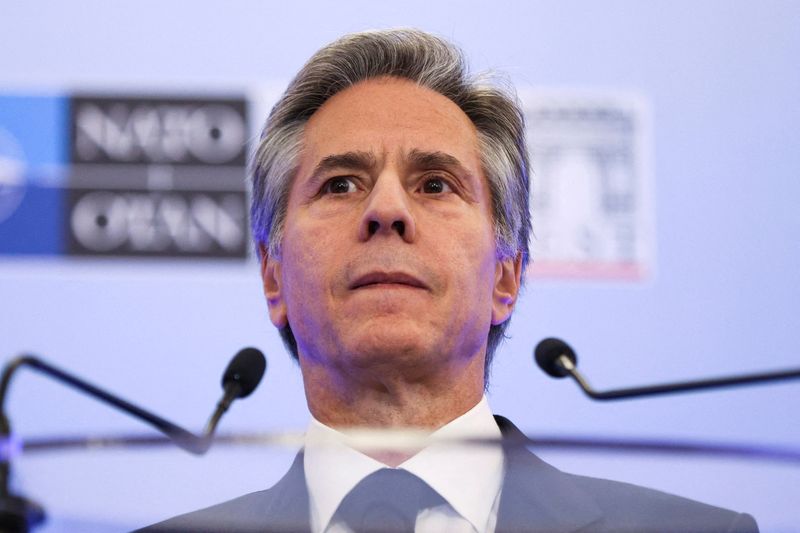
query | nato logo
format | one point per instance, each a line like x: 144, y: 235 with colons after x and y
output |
x: 33, y: 155
x: 157, y: 176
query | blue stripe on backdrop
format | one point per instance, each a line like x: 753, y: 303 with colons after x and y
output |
x: 33, y: 151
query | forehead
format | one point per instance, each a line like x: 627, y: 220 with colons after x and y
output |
x: 390, y: 117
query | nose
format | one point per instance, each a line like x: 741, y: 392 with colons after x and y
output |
x: 388, y: 211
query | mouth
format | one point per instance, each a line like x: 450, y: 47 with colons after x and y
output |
x: 387, y: 280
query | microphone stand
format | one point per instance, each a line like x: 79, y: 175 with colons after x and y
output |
x: 557, y: 359
x: 667, y: 388
x: 19, y: 515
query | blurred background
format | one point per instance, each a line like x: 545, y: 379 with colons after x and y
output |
x: 665, y: 147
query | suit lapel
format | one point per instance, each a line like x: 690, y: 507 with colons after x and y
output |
x: 536, y: 496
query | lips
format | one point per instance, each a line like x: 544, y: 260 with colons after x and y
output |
x: 378, y: 279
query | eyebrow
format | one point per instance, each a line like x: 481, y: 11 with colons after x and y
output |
x: 355, y: 160
x: 366, y: 161
x: 428, y: 160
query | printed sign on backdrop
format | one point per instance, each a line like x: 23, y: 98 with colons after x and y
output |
x: 123, y: 175
x: 591, y: 186
x: 157, y: 177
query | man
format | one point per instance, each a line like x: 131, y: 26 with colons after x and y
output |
x: 390, y: 211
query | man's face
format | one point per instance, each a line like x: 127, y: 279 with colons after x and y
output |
x: 388, y: 254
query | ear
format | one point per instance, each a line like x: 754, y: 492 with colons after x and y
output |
x: 508, y: 273
x: 273, y: 285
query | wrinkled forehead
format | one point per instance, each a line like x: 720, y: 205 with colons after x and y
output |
x: 390, y: 118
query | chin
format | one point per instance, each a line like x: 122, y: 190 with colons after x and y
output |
x: 388, y: 347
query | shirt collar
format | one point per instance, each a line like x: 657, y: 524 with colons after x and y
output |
x: 468, y: 477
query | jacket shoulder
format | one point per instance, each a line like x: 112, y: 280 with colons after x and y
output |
x: 628, y: 507
x: 569, y: 502
x: 284, y: 507
x: 239, y: 515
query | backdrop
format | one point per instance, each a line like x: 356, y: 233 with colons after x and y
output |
x: 716, y: 87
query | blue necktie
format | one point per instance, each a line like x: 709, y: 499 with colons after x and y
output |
x: 388, y: 500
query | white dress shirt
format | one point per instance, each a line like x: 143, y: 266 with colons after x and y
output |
x: 468, y: 477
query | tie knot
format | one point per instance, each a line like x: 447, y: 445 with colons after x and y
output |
x: 386, y: 500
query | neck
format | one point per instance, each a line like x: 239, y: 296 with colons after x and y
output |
x: 391, y: 397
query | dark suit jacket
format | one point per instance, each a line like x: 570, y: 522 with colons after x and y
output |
x: 535, y: 497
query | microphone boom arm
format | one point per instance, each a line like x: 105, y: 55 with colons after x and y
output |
x: 183, y: 438
x: 566, y: 365
x: 20, y: 515
x: 196, y: 444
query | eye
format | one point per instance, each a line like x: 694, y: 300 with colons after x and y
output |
x: 436, y: 185
x: 339, y: 185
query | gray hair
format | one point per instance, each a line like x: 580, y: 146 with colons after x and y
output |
x: 430, y: 62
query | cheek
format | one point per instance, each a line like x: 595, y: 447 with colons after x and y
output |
x: 471, y: 246
x: 312, y: 256
x: 304, y: 294
x: 300, y: 281
x: 473, y: 269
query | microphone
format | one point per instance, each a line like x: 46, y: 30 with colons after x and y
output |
x: 557, y: 359
x: 240, y: 379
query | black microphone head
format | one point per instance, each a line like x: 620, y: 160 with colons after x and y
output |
x: 246, y: 368
x: 547, y: 353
